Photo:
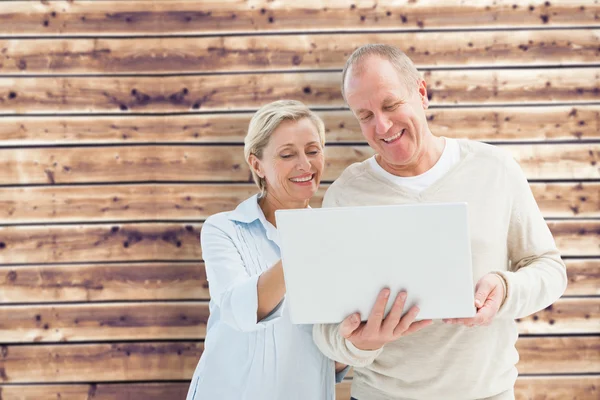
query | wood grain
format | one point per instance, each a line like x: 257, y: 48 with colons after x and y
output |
x: 115, y: 362
x: 526, y: 388
x: 188, y: 93
x: 505, y: 124
x: 187, y: 320
x: 113, y: 282
x: 169, y: 281
x: 190, y: 202
x: 180, y: 241
x: 229, y: 16
x: 226, y: 163
x: 100, y: 243
x: 146, y: 361
x: 254, y: 53
x: 105, y: 322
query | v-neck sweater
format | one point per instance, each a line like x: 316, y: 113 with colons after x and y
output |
x: 508, y: 236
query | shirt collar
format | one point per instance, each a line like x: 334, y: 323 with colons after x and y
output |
x: 247, y: 211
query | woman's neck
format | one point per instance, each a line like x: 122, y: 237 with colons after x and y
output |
x: 269, y: 204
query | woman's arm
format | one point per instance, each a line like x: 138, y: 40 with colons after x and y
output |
x: 271, y: 289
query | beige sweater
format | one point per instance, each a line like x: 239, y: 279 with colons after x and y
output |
x: 508, y: 236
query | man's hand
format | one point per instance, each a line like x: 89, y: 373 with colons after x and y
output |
x: 489, y: 295
x: 378, y: 331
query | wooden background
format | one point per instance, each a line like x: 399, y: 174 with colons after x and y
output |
x: 121, y: 128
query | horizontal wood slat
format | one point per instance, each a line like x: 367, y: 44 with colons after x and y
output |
x: 169, y: 281
x: 114, y: 321
x: 111, y: 282
x: 226, y: 163
x: 29, y: 95
x: 526, y: 388
x: 97, y: 391
x: 186, y: 17
x: 170, y: 241
x: 187, y: 320
x: 173, y: 361
x: 252, y: 53
x: 97, y: 243
x: 547, y: 123
x: 51, y: 204
x: 115, y: 362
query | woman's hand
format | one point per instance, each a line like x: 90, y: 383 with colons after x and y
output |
x: 378, y: 331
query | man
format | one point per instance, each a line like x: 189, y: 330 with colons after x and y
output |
x: 516, y: 265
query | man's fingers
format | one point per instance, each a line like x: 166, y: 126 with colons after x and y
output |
x: 406, y: 321
x: 349, y: 325
x: 393, y: 317
x: 482, y: 291
x: 417, y: 326
x: 374, y: 321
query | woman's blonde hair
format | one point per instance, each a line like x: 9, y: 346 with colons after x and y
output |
x: 266, y: 120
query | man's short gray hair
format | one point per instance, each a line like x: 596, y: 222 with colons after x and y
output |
x: 265, y: 122
x: 401, y: 62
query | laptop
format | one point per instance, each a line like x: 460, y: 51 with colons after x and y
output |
x: 337, y: 260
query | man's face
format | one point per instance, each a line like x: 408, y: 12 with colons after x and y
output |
x: 391, y: 115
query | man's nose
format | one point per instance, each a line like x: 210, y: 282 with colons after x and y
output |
x: 382, y: 124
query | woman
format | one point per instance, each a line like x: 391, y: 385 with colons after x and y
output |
x: 252, y: 350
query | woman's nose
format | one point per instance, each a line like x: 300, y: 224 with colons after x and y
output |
x: 303, y: 163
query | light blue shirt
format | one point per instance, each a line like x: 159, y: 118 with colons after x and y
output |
x: 244, y: 359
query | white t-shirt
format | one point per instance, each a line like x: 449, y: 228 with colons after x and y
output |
x: 450, y: 157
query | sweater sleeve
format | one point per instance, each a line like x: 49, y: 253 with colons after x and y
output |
x: 336, y: 347
x: 537, y: 276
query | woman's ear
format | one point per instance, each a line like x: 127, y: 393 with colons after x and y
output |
x: 256, y: 165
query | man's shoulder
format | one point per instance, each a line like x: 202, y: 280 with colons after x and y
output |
x: 486, y: 153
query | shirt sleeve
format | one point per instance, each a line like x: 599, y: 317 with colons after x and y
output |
x: 537, y: 276
x: 339, y: 376
x: 230, y: 285
x: 336, y: 347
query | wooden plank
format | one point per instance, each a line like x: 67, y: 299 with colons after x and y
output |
x: 97, y: 391
x: 559, y: 355
x: 180, y: 241
x: 584, y: 277
x: 579, y: 315
x: 108, y: 282
x: 187, y: 320
x: 24, y: 18
x: 330, y: 51
x: 115, y: 362
x: 186, y: 202
x: 168, y: 281
x: 226, y: 163
x: 114, y: 321
x: 78, y: 95
x: 545, y: 123
x: 100, y: 243
x: 147, y: 361
x: 526, y: 388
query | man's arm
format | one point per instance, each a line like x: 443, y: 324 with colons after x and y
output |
x: 537, y: 276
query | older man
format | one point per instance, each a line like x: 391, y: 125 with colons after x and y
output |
x: 516, y: 264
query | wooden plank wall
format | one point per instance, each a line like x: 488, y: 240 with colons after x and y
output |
x: 121, y: 128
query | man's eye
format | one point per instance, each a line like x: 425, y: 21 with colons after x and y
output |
x: 392, y: 108
x: 366, y: 117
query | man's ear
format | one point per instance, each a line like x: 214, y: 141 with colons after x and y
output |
x: 256, y: 165
x: 423, y: 94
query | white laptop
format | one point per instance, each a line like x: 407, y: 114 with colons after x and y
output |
x: 336, y: 260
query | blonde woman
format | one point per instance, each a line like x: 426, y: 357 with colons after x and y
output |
x: 252, y: 350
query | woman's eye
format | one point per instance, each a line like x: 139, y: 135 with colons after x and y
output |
x: 312, y: 153
x: 285, y: 155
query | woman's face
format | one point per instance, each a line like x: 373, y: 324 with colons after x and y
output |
x: 292, y: 162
